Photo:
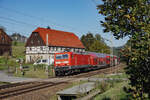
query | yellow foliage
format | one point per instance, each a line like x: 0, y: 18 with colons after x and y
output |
x: 127, y: 16
x: 133, y: 18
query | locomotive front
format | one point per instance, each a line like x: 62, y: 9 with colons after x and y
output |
x: 61, y: 62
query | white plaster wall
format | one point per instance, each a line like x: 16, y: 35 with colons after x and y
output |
x: 45, y: 52
x: 34, y: 57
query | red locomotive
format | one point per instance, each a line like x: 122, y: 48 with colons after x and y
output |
x: 69, y: 62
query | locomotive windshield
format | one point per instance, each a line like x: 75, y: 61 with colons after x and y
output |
x: 62, y: 56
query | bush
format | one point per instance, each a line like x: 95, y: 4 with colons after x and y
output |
x: 104, y: 86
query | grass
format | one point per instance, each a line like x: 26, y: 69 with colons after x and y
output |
x: 18, y: 50
x: 3, y: 83
x: 118, y: 75
x: 31, y: 73
x: 114, y: 93
x: 10, y: 62
x: 2, y: 66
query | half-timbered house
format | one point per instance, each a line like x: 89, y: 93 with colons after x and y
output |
x: 5, y: 43
x: 44, y: 42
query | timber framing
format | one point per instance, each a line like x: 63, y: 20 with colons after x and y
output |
x: 5, y: 43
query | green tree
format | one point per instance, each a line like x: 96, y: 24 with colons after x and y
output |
x: 100, y: 47
x: 125, y: 52
x: 131, y: 18
x: 15, y: 43
x: 95, y: 43
x: 87, y: 40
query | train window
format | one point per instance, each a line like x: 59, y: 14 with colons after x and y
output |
x: 58, y: 56
x: 65, y: 56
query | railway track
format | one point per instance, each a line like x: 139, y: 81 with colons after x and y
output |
x: 106, y: 70
x: 13, y: 85
x: 17, y: 89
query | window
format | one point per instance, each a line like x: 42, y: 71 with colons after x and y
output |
x: 63, y: 49
x: 58, y: 56
x: 52, y: 48
x: 59, y: 48
x: 55, y: 48
x: 3, y: 38
x: 62, y: 56
x: 65, y: 56
x: 35, y: 34
x: 44, y: 61
x: 38, y: 61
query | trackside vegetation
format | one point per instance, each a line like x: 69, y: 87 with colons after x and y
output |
x: 115, y: 92
x: 131, y: 18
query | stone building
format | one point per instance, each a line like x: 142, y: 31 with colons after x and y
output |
x: 5, y: 43
x: 44, y: 42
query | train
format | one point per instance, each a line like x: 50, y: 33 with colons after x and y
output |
x: 67, y: 63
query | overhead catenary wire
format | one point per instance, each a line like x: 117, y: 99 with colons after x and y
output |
x: 39, y: 18
x: 16, y: 21
x: 11, y: 31
x: 14, y: 30
x: 11, y: 23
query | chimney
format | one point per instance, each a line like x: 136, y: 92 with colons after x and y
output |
x: 48, y: 27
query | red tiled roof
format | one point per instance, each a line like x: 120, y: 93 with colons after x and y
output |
x: 59, y: 38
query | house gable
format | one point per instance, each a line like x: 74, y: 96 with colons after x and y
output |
x: 5, y: 43
x: 35, y: 40
x: 4, y: 38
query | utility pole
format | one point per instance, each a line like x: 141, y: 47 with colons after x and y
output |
x: 111, y: 53
x: 111, y: 50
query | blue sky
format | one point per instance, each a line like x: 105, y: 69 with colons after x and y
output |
x: 77, y: 16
